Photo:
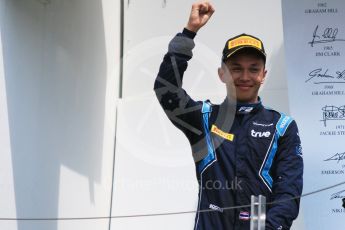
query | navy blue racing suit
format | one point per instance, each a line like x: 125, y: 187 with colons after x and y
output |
x: 239, y: 150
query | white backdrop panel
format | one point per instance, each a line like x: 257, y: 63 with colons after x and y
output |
x: 154, y: 169
x: 315, y: 67
x: 60, y: 62
x: 7, y: 202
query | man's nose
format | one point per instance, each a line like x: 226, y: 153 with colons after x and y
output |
x: 245, y: 76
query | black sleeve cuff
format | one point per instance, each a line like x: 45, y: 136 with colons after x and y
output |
x: 188, y: 33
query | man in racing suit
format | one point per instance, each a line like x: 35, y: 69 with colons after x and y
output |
x: 240, y: 147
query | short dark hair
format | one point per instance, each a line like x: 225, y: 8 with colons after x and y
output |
x: 249, y: 52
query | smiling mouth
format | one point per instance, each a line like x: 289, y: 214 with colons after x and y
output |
x: 243, y: 87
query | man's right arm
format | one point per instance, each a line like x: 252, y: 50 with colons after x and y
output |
x: 181, y: 109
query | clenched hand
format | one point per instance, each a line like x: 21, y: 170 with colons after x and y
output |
x: 201, y: 12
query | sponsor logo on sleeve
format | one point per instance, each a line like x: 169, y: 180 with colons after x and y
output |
x: 299, y: 150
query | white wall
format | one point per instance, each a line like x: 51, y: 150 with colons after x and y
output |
x: 58, y: 89
x: 7, y: 203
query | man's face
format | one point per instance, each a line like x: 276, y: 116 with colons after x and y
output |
x: 244, y: 72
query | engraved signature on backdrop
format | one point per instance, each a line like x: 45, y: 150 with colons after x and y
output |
x: 333, y: 113
x: 337, y: 157
x: 328, y: 35
x: 324, y: 76
x: 338, y: 195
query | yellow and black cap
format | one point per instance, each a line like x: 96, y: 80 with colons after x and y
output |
x: 243, y: 41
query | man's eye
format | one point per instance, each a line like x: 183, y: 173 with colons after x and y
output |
x: 236, y: 70
x: 254, y: 70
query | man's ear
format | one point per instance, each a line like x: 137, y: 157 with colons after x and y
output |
x: 264, y: 76
x: 221, y: 74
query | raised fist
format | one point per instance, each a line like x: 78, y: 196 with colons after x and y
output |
x: 199, y: 15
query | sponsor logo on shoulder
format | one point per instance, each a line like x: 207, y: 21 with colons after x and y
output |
x: 284, y: 121
x: 221, y: 133
x: 260, y: 134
